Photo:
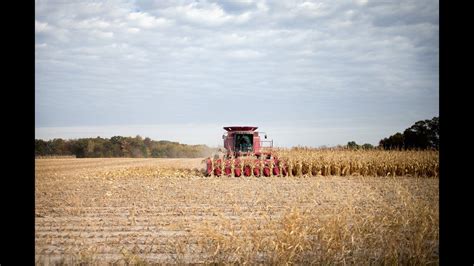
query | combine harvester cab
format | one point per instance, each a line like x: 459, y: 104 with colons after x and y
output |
x: 246, y: 154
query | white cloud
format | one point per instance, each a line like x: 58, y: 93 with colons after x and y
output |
x: 205, y: 14
x: 147, y: 21
x: 361, y: 2
x: 213, y: 15
x: 103, y: 34
x: 40, y: 45
x: 245, y: 54
x: 93, y: 23
x: 311, y: 9
x: 133, y: 30
x: 262, y: 7
x: 40, y: 26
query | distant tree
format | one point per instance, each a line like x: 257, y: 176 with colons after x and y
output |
x: 116, y: 143
x: 417, y: 136
x: 147, y: 141
x: 41, y: 147
x: 156, y: 153
x: 352, y: 145
x: 119, y: 146
x: 433, y: 133
x: 393, y: 142
x: 79, y: 148
x: 107, y: 148
x: 58, y: 147
x: 90, y: 148
x: 397, y: 141
x: 367, y: 146
x: 125, y: 147
x: 423, y: 134
x: 433, y: 129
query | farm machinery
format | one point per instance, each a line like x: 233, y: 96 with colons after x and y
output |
x: 246, y: 154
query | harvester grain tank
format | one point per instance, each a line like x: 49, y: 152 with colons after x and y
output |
x: 246, y: 154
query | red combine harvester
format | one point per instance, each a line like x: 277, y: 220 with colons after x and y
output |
x: 245, y: 154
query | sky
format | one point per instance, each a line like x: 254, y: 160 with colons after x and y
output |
x: 308, y: 73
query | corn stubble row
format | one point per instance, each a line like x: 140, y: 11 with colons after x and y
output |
x: 150, y: 172
x: 327, y: 162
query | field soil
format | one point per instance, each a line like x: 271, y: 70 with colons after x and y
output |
x: 164, y: 211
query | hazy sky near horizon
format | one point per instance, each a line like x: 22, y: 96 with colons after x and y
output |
x: 306, y: 72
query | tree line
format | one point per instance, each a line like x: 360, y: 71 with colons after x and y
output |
x: 118, y: 146
x: 423, y: 135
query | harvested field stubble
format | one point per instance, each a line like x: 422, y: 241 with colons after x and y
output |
x: 131, y: 211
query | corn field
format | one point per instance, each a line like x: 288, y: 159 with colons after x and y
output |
x: 327, y: 162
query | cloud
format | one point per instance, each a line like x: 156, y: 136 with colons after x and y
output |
x: 237, y: 7
x: 207, y: 14
x: 133, y: 30
x: 41, y: 45
x: 244, y: 54
x: 147, y: 21
x: 93, y: 23
x: 40, y: 26
x: 361, y: 2
x: 210, y: 62
x: 312, y: 9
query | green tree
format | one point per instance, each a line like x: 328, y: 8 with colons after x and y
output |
x: 79, y: 148
x: 424, y: 134
x: 41, y: 147
x: 367, y: 146
x: 118, y: 146
x: 116, y: 143
x: 352, y: 145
